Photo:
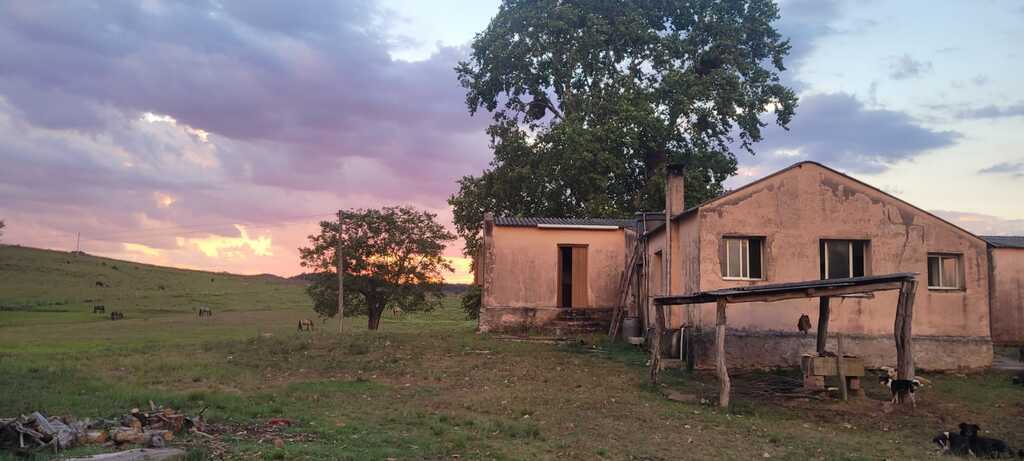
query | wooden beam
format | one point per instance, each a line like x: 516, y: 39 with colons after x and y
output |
x: 823, y: 315
x: 839, y: 368
x: 902, y: 330
x: 659, y: 331
x: 733, y: 297
x: 723, y: 371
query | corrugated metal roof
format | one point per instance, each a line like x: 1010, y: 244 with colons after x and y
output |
x: 511, y: 221
x: 1005, y: 241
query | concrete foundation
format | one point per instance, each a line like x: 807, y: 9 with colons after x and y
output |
x: 747, y: 349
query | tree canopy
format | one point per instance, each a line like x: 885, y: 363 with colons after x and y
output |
x: 589, y: 98
x: 392, y: 258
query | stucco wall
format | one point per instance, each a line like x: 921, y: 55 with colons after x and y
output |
x: 796, y: 208
x: 523, y: 266
x: 1008, y: 296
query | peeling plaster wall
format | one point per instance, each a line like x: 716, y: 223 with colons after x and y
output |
x: 521, y: 272
x: 1008, y: 296
x: 796, y: 208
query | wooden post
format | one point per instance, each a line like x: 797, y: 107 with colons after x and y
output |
x: 341, y: 275
x: 839, y: 368
x: 659, y: 331
x: 902, y: 331
x: 823, y: 314
x: 723, y: 371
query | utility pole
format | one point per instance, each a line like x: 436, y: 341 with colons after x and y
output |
x: 341, y: 274
x: 78, y: 242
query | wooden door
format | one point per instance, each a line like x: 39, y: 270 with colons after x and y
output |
x: 579, y: 277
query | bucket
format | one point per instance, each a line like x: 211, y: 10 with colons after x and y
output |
x: 630, y: 327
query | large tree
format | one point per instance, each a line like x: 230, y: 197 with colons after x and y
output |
x: 392, y: 258
x: 589, y: 98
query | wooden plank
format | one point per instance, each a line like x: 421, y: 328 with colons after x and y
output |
x: 579, y: 277
x: 823, y: 316
x: 769, y: 293
x: 839, y: 368
x: 140, y: 454
x: 723, y: 372
x: 811, y: 293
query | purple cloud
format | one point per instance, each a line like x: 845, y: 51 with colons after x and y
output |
x: 837, y: 129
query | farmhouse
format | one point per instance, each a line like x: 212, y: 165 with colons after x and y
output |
x: 806, y: 222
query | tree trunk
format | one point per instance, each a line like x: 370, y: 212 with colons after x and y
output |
x: 373, y: 317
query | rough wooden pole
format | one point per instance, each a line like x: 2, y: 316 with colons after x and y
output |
x: 839, y: 368
x: 659, y: 331
x: 341, y: 275
x: 823, y: 315
x: 902, y: 331
x: 723, y: 372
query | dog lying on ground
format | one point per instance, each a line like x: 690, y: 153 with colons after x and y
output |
x: 985, y: 447
x: 899, y: 387
x: 953, y: 443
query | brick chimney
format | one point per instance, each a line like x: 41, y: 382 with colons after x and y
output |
x: 674, y: 189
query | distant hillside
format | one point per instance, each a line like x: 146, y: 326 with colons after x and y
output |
x: 36, y: 280
x: 449, y: 288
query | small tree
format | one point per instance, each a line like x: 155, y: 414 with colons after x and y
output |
x: 2, y: 227
x: 392, y: 258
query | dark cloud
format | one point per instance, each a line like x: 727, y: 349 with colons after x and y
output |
x: 993, y: 111
x: 905, y: 67
x: 1015, y: 169
x: 837, y: 129
x: 805, y: 23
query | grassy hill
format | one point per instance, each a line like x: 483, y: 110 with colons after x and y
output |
x: 35, y: 281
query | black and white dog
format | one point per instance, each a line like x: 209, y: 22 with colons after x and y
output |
x: 953, y: 443
x: 897, y: 387
x: 985, y: 447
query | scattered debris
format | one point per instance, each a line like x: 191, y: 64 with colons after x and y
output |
x: 139, y: 454
x: 153, y: 429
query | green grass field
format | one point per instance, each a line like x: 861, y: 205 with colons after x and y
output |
x: 423, y: 387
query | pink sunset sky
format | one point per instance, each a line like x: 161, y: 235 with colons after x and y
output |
x: 216, y: 134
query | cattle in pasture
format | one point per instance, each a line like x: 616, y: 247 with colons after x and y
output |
x: 305, y: 324
x: 116, y: 315
x: 99, y: 309
x: 205, y: 312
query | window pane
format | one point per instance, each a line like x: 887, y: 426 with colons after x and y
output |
x: 755, y: 258
x: 950, y: 272
x: 735, y: 255
x: 858, y: 259
x: 933, y: 271
x: 838, y: 254
x: 744, y: 258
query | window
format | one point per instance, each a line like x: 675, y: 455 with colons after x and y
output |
x: 742, y: 258
x: 843, y: 258
x: 944, y: 271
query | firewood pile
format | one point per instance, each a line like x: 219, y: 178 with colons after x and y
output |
x: 152, y: 429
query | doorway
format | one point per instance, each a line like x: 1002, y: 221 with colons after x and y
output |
x: 572, y: 276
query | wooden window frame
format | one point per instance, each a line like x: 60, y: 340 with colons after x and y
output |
x: 961, y: 286
x: 865, y: 253
x: 745, y: 254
